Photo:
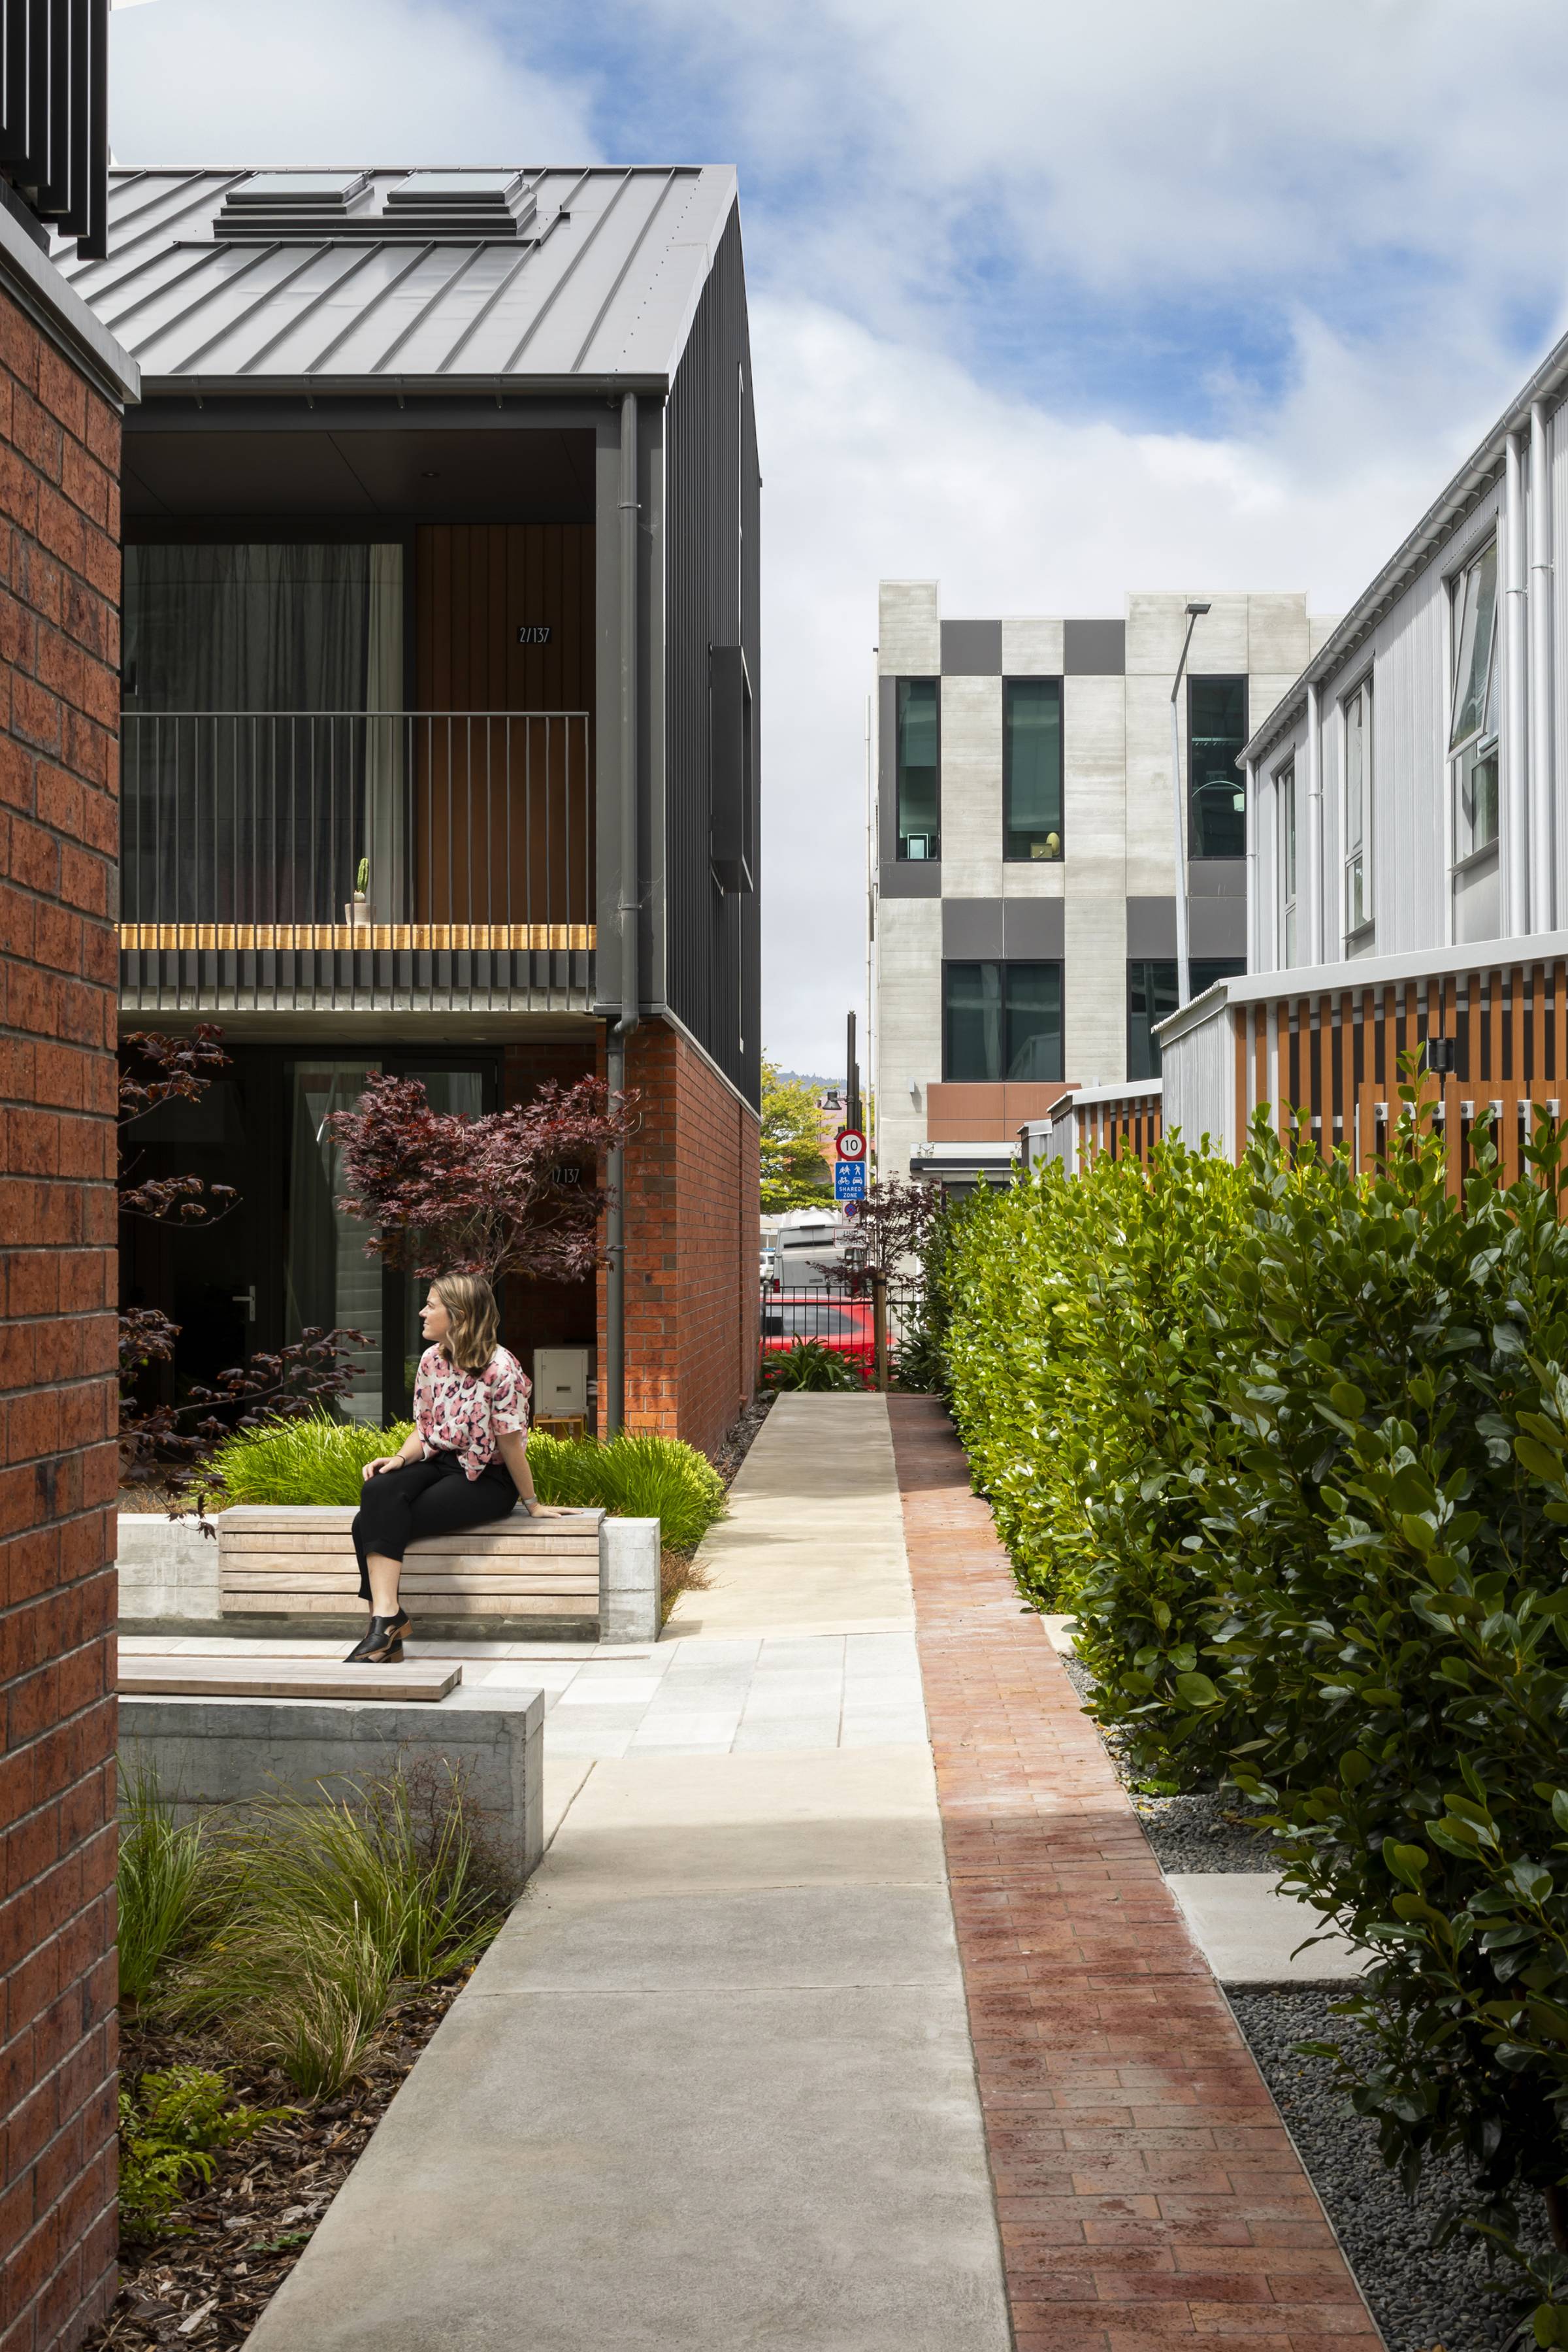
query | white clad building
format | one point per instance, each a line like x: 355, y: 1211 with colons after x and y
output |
x: 1410, y: 842
x: 1024, y: 898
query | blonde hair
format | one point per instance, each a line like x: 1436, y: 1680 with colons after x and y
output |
x: 475, y: 1320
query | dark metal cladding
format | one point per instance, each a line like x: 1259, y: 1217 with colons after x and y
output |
x: 713, y: 592
x: 54, y: 114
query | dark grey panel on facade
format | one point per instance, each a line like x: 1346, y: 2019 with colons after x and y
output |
x: 910, y: 877
x: 1219, y: 927
x: 888, y: 782
x: 1094, y: 648
x: 1216, y: 878
x: 1034, y: 931
x: 972, y: 929
x: 1151, y: 928
x: 972, y: 649
x: 713, y: 960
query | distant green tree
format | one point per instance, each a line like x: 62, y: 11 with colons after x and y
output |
x: 795, y: 1174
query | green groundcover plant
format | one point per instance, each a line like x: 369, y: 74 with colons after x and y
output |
x: 1294, y: 1445
x: 636, y: 1474
x: 811, y: 1365
x: 172, y: 2127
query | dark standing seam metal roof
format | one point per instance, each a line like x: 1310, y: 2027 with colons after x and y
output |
x: 599, y: 284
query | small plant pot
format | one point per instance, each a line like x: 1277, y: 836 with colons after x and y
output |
x: 358, y: 910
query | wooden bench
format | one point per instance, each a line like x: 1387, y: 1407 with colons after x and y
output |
x: 277, y: 1561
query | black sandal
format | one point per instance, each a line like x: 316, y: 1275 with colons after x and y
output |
x: 381, y: 1645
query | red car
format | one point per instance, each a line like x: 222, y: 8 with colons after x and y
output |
x: 842, y: 1324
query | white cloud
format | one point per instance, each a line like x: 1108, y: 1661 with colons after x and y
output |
x: 882, y: 462
x: 208, y: 82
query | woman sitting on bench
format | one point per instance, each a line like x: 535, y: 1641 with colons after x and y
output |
x: 470, y: 1405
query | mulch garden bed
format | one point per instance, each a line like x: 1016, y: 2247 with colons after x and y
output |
x: 230, y: 2244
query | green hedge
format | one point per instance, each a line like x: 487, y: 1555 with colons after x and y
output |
x: 319, y: 1460
x: 1294, y: 1445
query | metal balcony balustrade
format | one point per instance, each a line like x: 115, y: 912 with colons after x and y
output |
x: 277, y: 826
x: 301, y: 855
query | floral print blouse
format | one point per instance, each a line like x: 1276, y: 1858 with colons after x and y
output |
x: 464, y: 1413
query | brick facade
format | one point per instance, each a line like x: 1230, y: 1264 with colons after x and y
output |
x: 59, y: 584
x: 692, y: 1237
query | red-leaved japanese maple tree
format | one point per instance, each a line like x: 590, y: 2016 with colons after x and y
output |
x: 512, y: 1192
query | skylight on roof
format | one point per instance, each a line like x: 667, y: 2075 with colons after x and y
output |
x: 311, y: 187
x: 420, y: 186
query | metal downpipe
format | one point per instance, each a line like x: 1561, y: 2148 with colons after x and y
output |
x: 629, y: 905
x: 1542, y: 683
x: 1516, y: 841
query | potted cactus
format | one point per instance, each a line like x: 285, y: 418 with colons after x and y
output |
x: 358, y: 909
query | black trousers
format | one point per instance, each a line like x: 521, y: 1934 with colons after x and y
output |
x: 426, y: 1499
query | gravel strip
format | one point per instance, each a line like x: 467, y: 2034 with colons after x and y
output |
x: 1419, y: 2296
x: 1207, y: 1831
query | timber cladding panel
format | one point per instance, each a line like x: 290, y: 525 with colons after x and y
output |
x: 692, y: 1238
x: 475, y: 586
x: 503, y: 807
x: 60, y: 651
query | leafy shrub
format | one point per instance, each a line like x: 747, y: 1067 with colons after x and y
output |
x: 171, y: 2128
x: 1077, y: 1334
x: 316, y: 1460
x: 636, y: 1474
x: 169, y: 1886
x: 639, y: 1475
x: 810, y: 1364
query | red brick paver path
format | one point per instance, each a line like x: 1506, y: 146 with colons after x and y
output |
x: 1145, y: 2185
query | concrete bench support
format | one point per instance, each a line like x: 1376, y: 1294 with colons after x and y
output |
x: 210, y: 1752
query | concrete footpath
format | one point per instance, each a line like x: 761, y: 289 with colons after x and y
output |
x: 713, y: 2086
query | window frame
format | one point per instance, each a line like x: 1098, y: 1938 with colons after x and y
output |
x: 1358, y: 864
x: 903, y: 835
x: 1481, y: 743
x: 1287, y: 864
x: 1003, y: 965
x: 1011, y: 856
x: 1211, y: 678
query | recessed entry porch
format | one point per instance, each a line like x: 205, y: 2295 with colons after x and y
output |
x: 357, y: 749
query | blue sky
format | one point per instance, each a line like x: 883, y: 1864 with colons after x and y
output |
x: 1048, y: 302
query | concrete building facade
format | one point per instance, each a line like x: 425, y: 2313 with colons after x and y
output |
x: 1024, y: 906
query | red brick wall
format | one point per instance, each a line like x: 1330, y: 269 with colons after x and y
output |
x: 692, y: 1227
x: 60, y: 585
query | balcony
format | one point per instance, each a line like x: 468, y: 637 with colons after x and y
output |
x: 356, y: 860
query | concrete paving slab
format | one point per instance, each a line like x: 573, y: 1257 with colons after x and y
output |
x: 807, y: 1818
x: 814, y: 1533
x: 1249, y: 1932
x: 713, y: 2089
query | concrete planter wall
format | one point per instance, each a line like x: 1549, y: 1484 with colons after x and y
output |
x: 169, y: 1572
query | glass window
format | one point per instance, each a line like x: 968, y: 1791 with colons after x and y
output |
x: 1473, y: 728
x: 919, y: 767
x: 1002, y: 1021
x: 1358, y: 809
x: 1032, y: 767
x: 1217, y: 738
x: 1285, y: 802
x: 1152, y: 998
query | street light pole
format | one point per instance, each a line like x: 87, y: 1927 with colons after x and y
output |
x: 1179, y: 815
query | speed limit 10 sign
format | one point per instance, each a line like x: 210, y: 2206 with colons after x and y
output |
x: 851, y: 1143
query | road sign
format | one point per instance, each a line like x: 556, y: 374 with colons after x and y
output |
x: 849, y: 1181
x: 850, y: 1144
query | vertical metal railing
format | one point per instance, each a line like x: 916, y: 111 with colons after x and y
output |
x: 262, y: 822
